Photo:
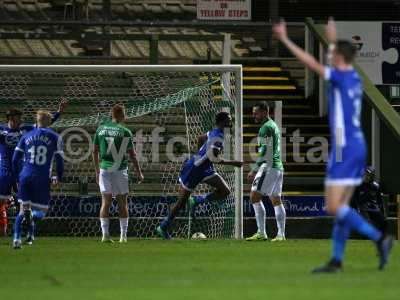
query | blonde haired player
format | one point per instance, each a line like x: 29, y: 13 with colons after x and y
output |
x: 10, y: 134
x: 113, y: 144
x: 35, y: 152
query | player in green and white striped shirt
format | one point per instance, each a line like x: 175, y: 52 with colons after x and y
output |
x: 113, y: 145
x: 267, y: 174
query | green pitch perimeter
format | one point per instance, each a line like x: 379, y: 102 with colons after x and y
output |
x: 56, y: 268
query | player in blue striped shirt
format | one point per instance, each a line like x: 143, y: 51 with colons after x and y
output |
x: 32, y: 163
x: 347, y: 159
x: 200, y: 169
x: 10, y: 135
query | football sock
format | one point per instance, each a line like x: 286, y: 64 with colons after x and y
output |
x: 348, y: 219
x: 123, y: 224
x: 356, y: 222
x: 259, y: 211
x: 105, y: 224
x: 17, y: 226
x: 36, y: 216
x: 280, y: 216
x: 31, y: 229
x: 340, y: 234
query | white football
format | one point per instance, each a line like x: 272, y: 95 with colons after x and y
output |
x: 199, y: 236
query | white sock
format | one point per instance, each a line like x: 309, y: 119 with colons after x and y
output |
x: 280, y: 215
x: 105, y: 225
x: 259, y: 210
x: 123, y: 224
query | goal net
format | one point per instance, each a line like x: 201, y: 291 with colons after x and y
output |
x: 167, y: 108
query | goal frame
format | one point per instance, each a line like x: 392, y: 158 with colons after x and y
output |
x: 224, y: 69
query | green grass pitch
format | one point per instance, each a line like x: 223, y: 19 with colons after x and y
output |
x: 57, y: 268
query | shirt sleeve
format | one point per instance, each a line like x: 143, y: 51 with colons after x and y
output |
x: 216, y: 141
x: 54, y: 117
x: 21, y: 145
x: 17, y: 158
x: 331, y: 74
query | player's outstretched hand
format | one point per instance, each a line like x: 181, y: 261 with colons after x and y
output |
x: 62, y: 105
x: 228, y: 162
x: 250, y: 176
x: 237, y: 163
x: 330, y: 31
x: 279, y: 30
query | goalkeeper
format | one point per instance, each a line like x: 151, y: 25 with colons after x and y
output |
x: 199, y: 169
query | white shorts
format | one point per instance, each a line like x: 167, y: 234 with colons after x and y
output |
x: 268, y: 181
x: 114, y: 182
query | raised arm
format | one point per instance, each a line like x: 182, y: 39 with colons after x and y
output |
x: 54, y: 116
x: 331, y: 35
x: 61, y: 108
x: 330, y: 31
x: 308, y: 60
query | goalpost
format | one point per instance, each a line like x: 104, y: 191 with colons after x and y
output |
x: 167, y: 107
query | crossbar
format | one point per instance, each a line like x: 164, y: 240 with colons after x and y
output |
x: 121, y: 68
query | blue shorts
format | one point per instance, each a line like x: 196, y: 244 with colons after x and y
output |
x: 192, y: 175
x: 34, y: 190
x: 6, y: 184
x: 346, y: 167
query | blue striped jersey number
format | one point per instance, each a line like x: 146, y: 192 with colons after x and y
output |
x: 356, y: 94
x: 38, y: 155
